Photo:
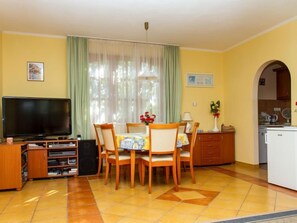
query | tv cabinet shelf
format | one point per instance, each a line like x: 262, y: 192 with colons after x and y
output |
x: 52, y: 158
x: 13, y: 166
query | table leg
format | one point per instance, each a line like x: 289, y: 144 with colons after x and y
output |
x: 132, y: 157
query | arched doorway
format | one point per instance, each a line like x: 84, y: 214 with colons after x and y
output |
x: 274, y: 102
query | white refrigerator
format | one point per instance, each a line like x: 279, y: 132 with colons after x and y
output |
x: 282, y: 156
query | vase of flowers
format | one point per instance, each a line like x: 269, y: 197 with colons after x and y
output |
x: 215, y: 111
x: 147, y: 119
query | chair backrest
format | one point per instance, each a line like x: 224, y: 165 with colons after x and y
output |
x: 163, y: 138
x: 194, y: 136
x: 109, y: 137
x: 182, y: 127
x: 99, y: 137
x: 135, y: 127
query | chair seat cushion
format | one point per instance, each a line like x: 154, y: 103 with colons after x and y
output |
x: 121, y: 156
x: 184, y: 153
x: 158, y: 158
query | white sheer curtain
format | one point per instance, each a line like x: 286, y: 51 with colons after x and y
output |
x: 126, y: 79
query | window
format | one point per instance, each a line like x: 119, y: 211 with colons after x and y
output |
x: 125, y: 81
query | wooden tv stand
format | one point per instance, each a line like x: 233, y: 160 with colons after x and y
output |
x: 52, y: 158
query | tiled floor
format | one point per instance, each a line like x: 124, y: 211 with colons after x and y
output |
x: 220, y: 193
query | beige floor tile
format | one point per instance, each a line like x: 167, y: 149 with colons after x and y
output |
x: 102, y: 205
x: 230, y: 204
x: 178, y: 218
x: 185, y: 208
x: 44, y: 204
x: 261, y: 191
x: 19, y: 209
x: 52, y: 212
x: 161, y: 204
x: 285, y: 200
x: 231, y: 196
x: 136, y: 201
x: 120, y: 210
x: 111, y: 218
x: 18, y: 217
x: 151, y: 214
x: 219, y: 213
x: 133, y: 220
x: 257, y: 207
x: 50, y: 220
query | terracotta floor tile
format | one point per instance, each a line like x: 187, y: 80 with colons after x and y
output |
x: 88, y: 218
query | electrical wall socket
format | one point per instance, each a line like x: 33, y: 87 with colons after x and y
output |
x: 276, y: 109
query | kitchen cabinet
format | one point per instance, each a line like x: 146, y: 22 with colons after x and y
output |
x: 214, y: 148
x: 283, y: 83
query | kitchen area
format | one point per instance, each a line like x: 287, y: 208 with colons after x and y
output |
x: 277, y: 138
x: 274, y: 102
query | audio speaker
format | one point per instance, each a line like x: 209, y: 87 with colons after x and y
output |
x: 88, y: 157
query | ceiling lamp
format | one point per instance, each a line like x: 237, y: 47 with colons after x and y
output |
x: 146, y: 73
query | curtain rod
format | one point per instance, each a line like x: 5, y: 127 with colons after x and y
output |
x: 120, y: 40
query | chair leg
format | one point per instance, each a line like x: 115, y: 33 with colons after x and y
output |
x: 150, y: 180
x: 139, y: 170
x: 142, y: 173
x: 117, y: 176
x: 167, y: 174
x: 99, y: 166
x: 106, y: 172
x: 174, y: 177
x: 192, y: 172
x: 178, y: 170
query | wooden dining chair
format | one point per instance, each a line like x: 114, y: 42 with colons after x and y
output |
x: 100, y: 145
x: 162, y: 151
x: 113, y: 156
x: 187, y: 156
x: 135, y: 127
x: 182, y: 127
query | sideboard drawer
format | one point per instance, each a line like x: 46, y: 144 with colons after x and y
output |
x: 209, y: 137
x: 210, y: 150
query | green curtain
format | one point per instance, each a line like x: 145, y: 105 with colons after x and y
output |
x: 78, y: 85
x: 173, y: 87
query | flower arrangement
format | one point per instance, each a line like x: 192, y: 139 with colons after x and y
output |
x: 147, y: 118
x: 215, y: 108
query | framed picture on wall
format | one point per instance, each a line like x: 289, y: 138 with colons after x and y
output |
x: 35, y: 71
x: 199, y: 80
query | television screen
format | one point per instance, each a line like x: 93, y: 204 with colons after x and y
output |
x: 36, y: 117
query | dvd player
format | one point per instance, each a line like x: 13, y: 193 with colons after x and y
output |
x: 62, y: 153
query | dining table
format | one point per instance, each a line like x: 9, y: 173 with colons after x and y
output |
x: 139, y: 142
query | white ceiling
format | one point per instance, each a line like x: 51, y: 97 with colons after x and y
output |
x: 202, y: 24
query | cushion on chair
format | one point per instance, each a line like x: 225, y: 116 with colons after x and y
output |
x: 184, y: 153
x: 158, y: 158
x: 121, y: 156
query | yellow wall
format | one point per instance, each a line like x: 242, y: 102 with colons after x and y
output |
x: 242, y: 68
x: 236, y: 73
x: 18, y: 50
x: 194, y: 61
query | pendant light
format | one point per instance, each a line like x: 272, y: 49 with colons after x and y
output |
x: 145, y: 72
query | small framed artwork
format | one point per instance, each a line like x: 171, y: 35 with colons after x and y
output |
x: 199, y: 80
x: 35, y: 71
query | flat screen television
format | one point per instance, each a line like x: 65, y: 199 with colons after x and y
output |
x: 28, y: 117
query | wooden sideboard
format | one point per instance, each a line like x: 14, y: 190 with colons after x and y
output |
x: 214, y: 148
